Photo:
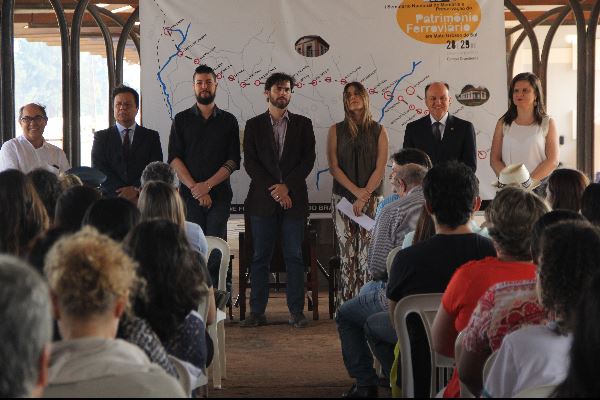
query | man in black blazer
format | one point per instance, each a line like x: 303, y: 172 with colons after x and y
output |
x: 122, y: 151
x: 442, y: 136
x: 279, y: 153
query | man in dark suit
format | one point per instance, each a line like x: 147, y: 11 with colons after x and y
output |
x: 122, y: 151
x: 442, y: 136
x: 279, y: 153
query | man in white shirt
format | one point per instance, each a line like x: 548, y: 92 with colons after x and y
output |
x: 31, y: 151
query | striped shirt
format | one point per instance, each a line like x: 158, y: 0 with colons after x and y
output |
x: 390, y: 199
x: 391, y: 225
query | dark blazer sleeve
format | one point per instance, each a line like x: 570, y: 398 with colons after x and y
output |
x: 233, y: 153
x: 408, y: 137
x: 102, y: 161
x: 297, y: 176
x: 260, y: 176
x: 156, y: 153
x: 469, y: 149
x: 176, y: 147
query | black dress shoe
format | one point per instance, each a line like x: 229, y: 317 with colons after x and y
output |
x: 361, y: 391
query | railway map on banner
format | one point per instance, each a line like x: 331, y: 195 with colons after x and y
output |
x: 393, y: 47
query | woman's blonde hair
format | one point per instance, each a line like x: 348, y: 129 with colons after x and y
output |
x: 160, y: 200
x: 365, y: 121
x: 88, y: 272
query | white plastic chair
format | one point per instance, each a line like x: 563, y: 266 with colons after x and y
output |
x: 190, y: 377
x: 426, y: 306
x: 390, y: 258
x: 218, y: 368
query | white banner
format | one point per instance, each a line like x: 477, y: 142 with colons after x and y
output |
x: 393, y: 47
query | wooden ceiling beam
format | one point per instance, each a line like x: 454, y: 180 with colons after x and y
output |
x: 68, y: 5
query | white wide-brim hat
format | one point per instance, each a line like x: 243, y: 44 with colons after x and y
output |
x: 516, y: 175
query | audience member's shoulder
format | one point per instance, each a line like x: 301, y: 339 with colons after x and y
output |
x: 529, y: 333
x: 473, y: 266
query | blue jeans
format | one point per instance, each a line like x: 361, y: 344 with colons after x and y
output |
x: 351, y: 318
x: 213, y: 222
x: 265, y: 231
x: 381, y: 335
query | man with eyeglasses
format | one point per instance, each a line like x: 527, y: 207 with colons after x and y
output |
x: 31, y: 151
x: 204, y: 149
x: 122, y: 151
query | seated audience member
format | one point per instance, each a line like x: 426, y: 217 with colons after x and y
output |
x: 511, y: 215
x: 163, y: 172
x: 582, y: 377
x: 425, y: 229
x: 114, y: 217
x: 31, y: 150
x: 537, y: 356
x: 396, y: 160
x: 161, y: 200
x: 91, y: 278
x: 67, y: 181
x: 391, y: 225
x: 48, y: 189
x: 174, y: 290
x: 26, y: 330
x: 565, y: 188
x: 590, y: 203
x: 22, y: 214
x: 504, y: 308
x: 72, y: 205
x: 451, y: 196
x: 160, y: 171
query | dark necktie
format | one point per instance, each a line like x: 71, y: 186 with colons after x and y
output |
x: 437, y: 131
x: 126, y: 145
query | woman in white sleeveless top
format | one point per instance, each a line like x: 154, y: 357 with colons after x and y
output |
x: 525, y: 134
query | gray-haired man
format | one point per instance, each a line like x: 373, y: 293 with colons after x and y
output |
x: 26, y: 330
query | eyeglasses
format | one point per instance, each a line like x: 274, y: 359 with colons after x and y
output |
x: 28, y: 120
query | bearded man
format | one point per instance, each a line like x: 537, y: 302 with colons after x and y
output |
x: 204, y: 149
x: 279, y: 154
